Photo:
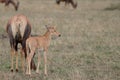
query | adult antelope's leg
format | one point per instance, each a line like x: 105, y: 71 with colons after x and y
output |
x: 45, y: 62
x: 16, y: 54
x: 37, y: 70
x: 12, y: 58
x: 22, y: 60
x: 12, y: 48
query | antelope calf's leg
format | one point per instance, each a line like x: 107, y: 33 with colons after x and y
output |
x: 28, y: 72
x: 29, y: 58
x: 37, y: 70
x: 45, y: 62
x: 27, y: 66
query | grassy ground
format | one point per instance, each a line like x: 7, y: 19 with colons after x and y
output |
x: 89, y: 48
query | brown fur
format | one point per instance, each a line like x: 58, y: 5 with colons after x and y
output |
x: 18, y: 29
x: 7, y: 2
x: 40, y: 43
x: 74, y: 5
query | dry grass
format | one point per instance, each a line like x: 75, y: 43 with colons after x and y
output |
x: 89, y: 48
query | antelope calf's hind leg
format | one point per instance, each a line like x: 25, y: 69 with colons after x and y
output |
x: 28, y: 72
x: 45, y: 63
x: 29, y: 58
x: 37, y: 70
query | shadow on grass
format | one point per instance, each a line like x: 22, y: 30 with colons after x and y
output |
x: 113, y: 7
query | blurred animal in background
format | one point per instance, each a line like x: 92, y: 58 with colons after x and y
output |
x: 74, y: 5
x: 13, y: 2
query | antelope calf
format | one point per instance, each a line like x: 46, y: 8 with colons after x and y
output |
x: 41, y: 43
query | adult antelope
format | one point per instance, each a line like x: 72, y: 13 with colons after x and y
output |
x: 7, y: 2
x: 74, y: 5
x: 18, y: 29
x: 41, y: 43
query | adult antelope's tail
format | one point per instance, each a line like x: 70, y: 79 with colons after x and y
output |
x: 18, y: 33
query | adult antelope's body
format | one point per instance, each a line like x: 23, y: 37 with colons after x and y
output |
x: 40, y: 43
x: 18, y: 29
x: 74, y: 5
x: 7, y: 2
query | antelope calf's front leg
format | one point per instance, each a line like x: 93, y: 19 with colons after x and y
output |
x: 45, y: 63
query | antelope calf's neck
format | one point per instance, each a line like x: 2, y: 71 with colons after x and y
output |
x: 43, y: 41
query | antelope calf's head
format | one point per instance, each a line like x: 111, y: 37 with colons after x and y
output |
x: 53, y: 31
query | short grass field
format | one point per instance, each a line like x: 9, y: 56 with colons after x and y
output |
x: 89, y: 48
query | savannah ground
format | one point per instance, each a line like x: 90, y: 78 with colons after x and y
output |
x: 89, y: 48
